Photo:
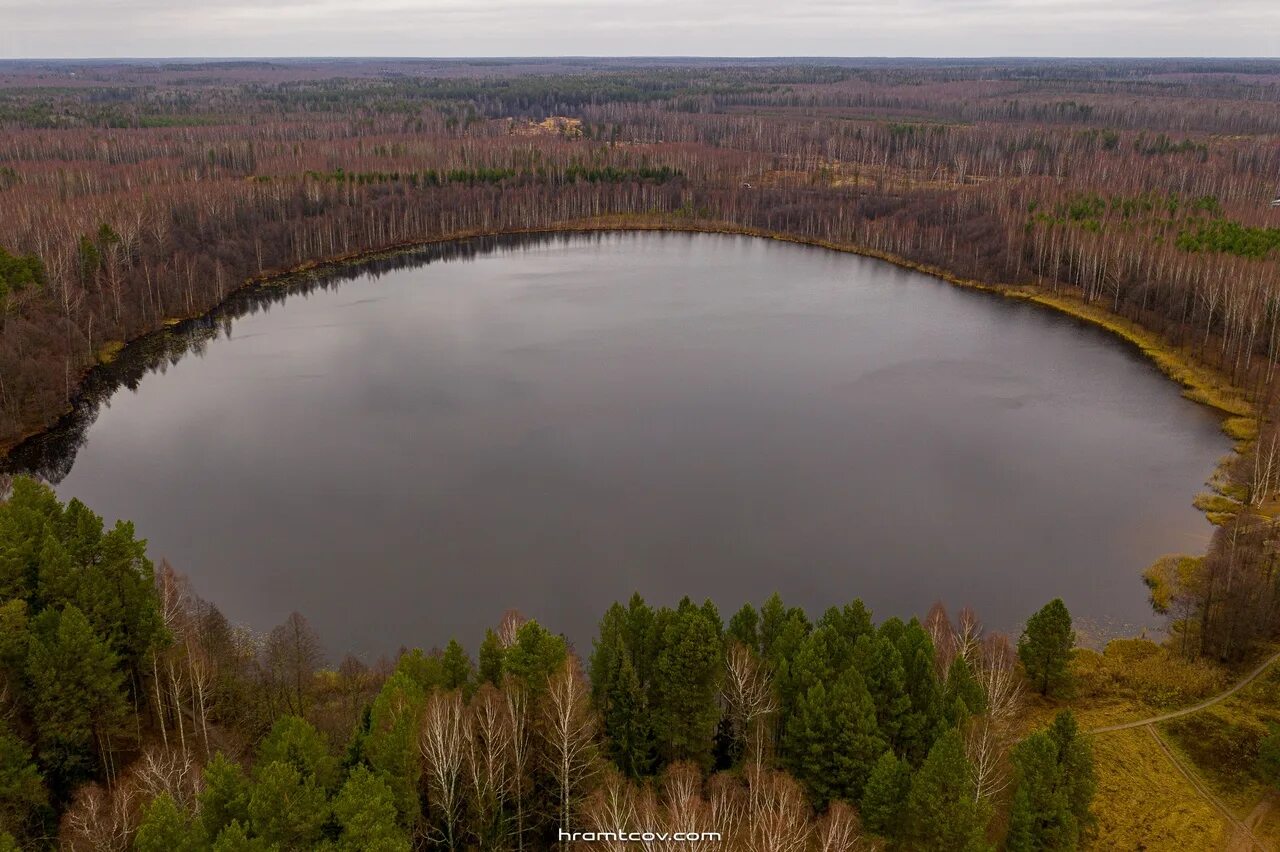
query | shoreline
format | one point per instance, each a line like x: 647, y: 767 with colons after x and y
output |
x: 1200, y: 383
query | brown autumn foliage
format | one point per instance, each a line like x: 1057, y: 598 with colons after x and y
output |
x: 148, y: 193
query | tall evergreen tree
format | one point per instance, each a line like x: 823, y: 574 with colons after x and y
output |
x: 627, y: 725
x: 490, y: 662
x: 285, y: 808
x: 365, y: 811
x: 686, y: 687
x: 225, y: 797
x: 832, y: 741
x: 886, y: 678
x: 534, y: 656
x: 885, y: 796
x: 23, y: 800
x: 942, y: 810
x: 1076, y: 758
x: 391, y: 746
x: 165, y: 827
x: 295, y: 741
x: 78, y: 699
x: 1045, y: 648
x: 1041, y: 817
x: 925, y: 719
x: 458, y: 671
x: 745, y: 627
x: 963, y: 695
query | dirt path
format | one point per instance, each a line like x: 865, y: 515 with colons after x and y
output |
x: 1195, y: 708
x: 1242, y: 838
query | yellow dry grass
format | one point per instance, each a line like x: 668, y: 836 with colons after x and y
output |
x: 1143, y: 802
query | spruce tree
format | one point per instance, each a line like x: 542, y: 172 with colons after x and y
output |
x: 1045, y: 648
x: 942, y: 810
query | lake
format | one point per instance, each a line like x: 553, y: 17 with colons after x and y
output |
x: 552, y: 424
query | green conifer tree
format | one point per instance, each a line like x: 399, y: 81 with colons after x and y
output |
x: 885, y: 796
x: 167, y: 828
x: 365, y: 810
x: 942, y: 810
x: 686, y: 687
x: 832, y: 741
x: 1045, y: 648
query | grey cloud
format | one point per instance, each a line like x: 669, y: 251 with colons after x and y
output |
x: 111, y: 28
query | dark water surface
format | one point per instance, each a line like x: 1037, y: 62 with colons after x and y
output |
x: 552, y: 425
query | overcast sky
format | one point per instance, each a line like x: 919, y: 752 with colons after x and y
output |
x: 171, y: 28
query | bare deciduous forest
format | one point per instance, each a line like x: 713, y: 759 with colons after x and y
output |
x: 1137, y: 194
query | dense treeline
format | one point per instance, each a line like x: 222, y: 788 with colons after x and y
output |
x: 135, y: 717
x: 140, y: 195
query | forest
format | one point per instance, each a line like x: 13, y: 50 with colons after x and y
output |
x: 138, y: 717
x: 135, y: 197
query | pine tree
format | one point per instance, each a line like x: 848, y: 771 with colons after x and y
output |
x: 833, y: 741
x: 78, y: 697
x: 24, y: 521
x: 745, y: 627
x: 458, y: 671
x: 921, y: 724
x: 1042, y: 816
x: 1045, y: 647
x: 625, y: 715
x: 1076, y: 758
x: 963, y: 696
x: 235, y: 838
x: 167, y: 828
x: 534, y: 656
x: 294, y: 741
x: 942, y: 810
x: 285, y: 808
x: 885, y: 795
x: 686, y: 687
x: 881, y: 666
x: 851, y: 621
x: 491, y: 653
x: 365, y: 810
x: 23, y: 800
x: 225, y: 797
x: 391, y: 746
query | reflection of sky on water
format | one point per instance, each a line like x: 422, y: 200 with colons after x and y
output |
x: 552, y: 427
